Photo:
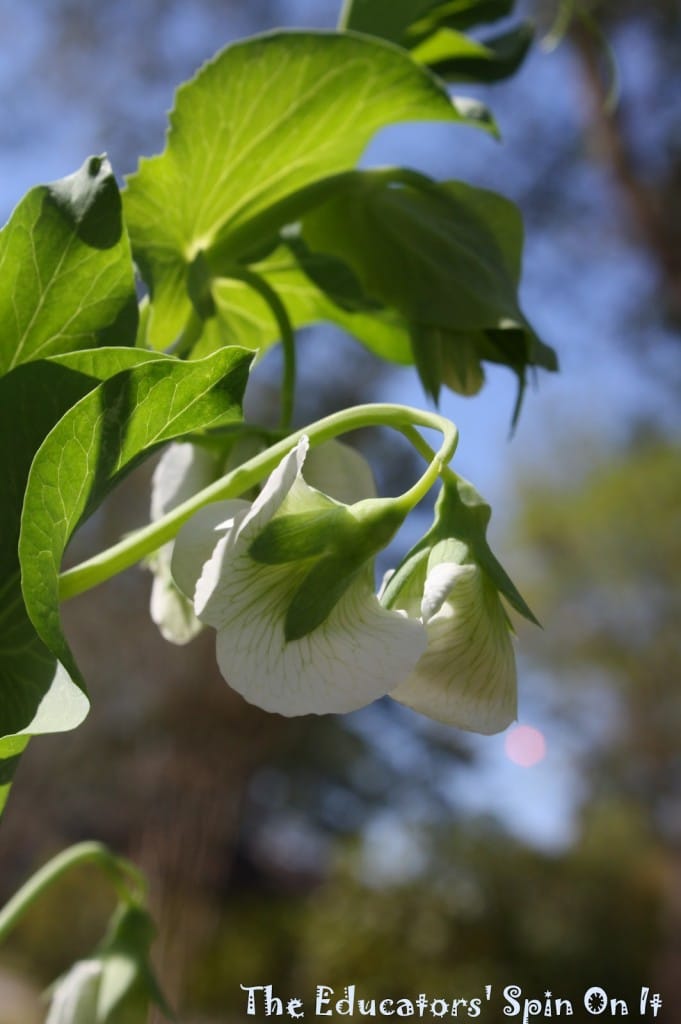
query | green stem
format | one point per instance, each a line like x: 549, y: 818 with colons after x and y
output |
x: 344, y: 16
x: 265, y: 290
x: 128, y: 881
x: 142, y: 543
x: 424, y: 449
x: 190, y: 335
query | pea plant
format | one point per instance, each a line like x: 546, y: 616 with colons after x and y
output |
x: 253, y: 222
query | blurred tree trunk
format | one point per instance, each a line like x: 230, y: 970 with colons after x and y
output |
x: 652, y: 206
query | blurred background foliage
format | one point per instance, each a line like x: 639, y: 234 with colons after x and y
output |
x: 379, y: 849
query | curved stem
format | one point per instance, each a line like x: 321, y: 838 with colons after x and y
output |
x: 143, y: 542
x: 424, y: 449
x: 437, y: 462
x: 128, y: 881
x: 265, y: 290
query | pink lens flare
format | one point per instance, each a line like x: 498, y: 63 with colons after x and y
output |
x: 525, y: 746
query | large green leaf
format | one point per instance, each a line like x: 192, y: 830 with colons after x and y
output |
x: 262, y: 124
x: 447, y: 258
x: 95, y: 444
x: 36, y: 694
x: 66, y: 275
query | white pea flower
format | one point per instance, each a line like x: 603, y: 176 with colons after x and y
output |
x: 467, y: 675
x: 117, y: 984
x: 186, y: 468
x: 75, y: 995
x: 289, y: 588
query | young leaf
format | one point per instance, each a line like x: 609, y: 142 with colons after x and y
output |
x: 461, y: 14
x: 261, y: 122
x: 66, y: 275
x: 411, y: 21
x: 447, y: 258
x: 458, y: 58
x: 95, y: 444
x: 387, y: 19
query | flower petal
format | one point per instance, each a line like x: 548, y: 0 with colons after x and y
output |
x: 353, y: 658
x: 198, y: 537
x: 74, y: 1000
x: 340, y: 471
x: 169, y: 608
x: 278, y: 485
x: 182, y: 470
x: 439, y: 584
x: 467, y: 676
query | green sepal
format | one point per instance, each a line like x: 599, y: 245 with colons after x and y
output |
x: 463, y: 516
x: 319, y: 593
x: 340, y: 541
x: 128, y: 984
x: 291, y: 538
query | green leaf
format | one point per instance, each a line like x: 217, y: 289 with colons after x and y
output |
x: 260, y: 124
x: 458, y: 58
x: 11, y: 750
x: 35, y: 692
x: 102, y: 363
x: 459, y: 15
x: 244, y: 318
x: 66, y: 274
x: 95, y: 444
x: 446, y: 257
x: 387, y: 19
x: 409, y: 21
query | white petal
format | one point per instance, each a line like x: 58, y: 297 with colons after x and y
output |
x: 467, y: 676
x: 439, y: 584
x: 353, y: 658
x: 387, y: 576
x: 340, y: 471
x: 197, y: 539
x: 75, y: 995
x: 172, y: 612
x: 182, y: 470
x: 278, y: 485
